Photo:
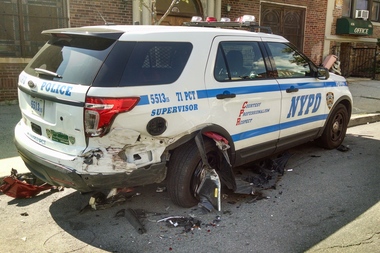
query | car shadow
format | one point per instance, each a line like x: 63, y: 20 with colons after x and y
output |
x: 321, y: 191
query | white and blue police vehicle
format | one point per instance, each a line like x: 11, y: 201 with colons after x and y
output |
x: 113, y: 106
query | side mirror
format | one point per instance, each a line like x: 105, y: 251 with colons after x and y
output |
x: 323, y: 73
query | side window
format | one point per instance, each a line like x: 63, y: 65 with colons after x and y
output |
x: 239, y: 61
x: 156, y: 63
x: 289, y: 62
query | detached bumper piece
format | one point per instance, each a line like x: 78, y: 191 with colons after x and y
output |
x: 18, y: 187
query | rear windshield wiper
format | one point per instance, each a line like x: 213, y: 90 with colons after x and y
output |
x: 47, y: 72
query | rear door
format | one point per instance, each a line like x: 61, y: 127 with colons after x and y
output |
x: 53, y: 87
x: 244, y: 99
x: 303, y: 107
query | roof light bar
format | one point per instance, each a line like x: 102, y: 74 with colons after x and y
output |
x: 196, y: 19
x: 225, y: 20
x: 246, y: 18
x: 247, y: 21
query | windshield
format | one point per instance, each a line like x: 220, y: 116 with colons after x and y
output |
x: 70, y: 59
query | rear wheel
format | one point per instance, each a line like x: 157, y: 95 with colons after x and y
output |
x: 336, y: 128
x: 185, y: 172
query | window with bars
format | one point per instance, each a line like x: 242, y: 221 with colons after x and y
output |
x: 22, y: 21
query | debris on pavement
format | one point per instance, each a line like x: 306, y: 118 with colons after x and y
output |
x: 23, y: 186
x: 161, y: 189
x: 133, y: 219
x: 99, y: 201
x: 262, y: 175
x: 188, y: 223
x: 343, y: 148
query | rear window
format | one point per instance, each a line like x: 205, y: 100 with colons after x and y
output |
x: 74, y: 59
x: 144, y: 63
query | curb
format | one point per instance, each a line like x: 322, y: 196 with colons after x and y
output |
x: 357, y: 120
x: 16, y: 162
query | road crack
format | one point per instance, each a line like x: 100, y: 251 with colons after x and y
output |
x: 368, y: 240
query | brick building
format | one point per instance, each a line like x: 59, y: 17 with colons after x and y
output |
x: 310, y: 25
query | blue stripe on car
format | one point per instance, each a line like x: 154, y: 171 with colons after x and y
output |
x: 211, y: 93
x: 277, y: 127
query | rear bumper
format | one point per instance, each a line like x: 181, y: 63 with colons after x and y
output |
x: 58, y: 174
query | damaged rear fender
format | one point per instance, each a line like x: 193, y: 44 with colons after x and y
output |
x: 124, y: 150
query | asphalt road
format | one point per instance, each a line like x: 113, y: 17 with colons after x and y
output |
x: 321, y: 192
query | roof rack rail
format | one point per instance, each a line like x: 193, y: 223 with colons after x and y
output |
x: 253, y: 26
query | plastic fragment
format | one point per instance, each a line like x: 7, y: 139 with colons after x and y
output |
x: 343, y: 148
x: 188, y: 223
x: 161, y: 189
x: 99, y: 201
x: 171, y: 217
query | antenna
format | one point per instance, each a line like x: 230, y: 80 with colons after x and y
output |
x: 105, y: 21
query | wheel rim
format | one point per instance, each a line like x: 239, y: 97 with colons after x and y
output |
x: 199, y: 174
x: 337, y: 127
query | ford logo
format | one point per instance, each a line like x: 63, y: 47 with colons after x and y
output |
x: 31, y: 84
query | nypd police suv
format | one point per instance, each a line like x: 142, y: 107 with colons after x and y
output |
x: 118, y: 106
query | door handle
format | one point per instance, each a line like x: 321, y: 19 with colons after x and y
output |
x: 225, y: 95
x: 291, y: 89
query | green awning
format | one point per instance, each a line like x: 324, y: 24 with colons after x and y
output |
x: 353, y: 26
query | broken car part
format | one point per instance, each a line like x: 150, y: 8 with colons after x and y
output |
x: 209, y: 190
x: 188, y: 223
x: 15, y: 187
x: 131, y: 216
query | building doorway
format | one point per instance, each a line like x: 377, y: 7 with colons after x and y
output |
x: 286, y: 21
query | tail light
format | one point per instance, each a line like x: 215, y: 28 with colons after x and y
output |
x: 100, y: 113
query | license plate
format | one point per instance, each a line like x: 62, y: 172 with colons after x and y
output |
x: 60, y: 137
x: 37, y: 106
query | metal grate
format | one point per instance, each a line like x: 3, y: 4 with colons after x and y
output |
x: 363, y: 64
x: 21, y: 24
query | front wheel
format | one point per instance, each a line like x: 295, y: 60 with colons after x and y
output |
x: 335, y: 130
x: 185, y: 171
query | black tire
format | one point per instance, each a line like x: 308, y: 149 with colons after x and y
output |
x: 184, y: 171
x: 335, y: 130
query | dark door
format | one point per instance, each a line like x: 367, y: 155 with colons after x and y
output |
x: 286, y: 21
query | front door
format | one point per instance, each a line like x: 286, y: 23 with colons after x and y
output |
x: 303, y: 107
x: 242, y: 96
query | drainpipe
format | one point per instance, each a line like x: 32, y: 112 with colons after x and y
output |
x: 210, y: 8
x: 136, y: 14
x: 329, y: 22
x: 146, y: 15
x: 218, y: 9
